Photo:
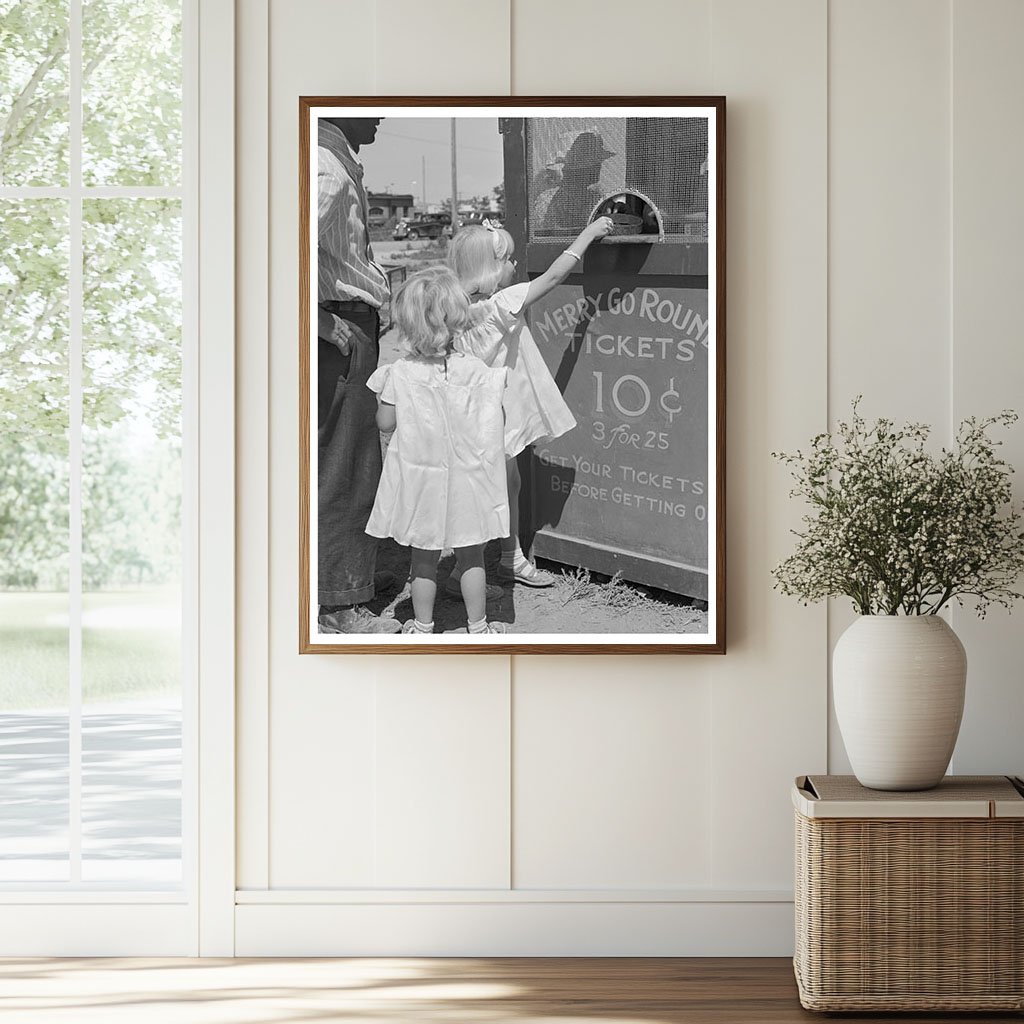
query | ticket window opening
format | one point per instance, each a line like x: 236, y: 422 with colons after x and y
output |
x: 635, y: 217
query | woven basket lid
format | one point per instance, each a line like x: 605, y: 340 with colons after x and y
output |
x: 957, y: 796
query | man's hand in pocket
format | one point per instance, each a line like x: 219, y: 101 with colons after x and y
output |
x: 339, y: 332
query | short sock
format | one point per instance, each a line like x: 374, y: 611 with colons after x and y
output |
x: 422, y: 627
x: 513, y: 557
x: 478, y: 627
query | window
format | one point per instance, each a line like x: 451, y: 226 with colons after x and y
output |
x: 95, y: 454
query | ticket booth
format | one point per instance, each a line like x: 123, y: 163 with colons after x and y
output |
x: 626, y: 339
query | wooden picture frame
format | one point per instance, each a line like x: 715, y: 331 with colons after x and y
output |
x: 664, y: 252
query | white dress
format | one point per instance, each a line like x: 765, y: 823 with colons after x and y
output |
x: 535, y: 408
x: 443, y: 483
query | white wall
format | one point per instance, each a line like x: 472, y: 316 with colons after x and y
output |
x: 546, y: 805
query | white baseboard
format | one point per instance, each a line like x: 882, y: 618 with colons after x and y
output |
x: 504, y: 928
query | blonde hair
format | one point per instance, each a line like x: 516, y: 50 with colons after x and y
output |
x: 478, y: 254
x: 429, y: 310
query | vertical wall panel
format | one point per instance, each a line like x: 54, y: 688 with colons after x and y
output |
x: 988, y: 350
x: 321, y: 708
x: 889, y: 247
x: 769, y: 692
x: 611, y: 755
x: 889, y: 208
x: 442, y: 770
x: 323, y: 761
x: 612, y: 774
x: 442, y: 48
x: 579, y: 47
x: 442, y: 760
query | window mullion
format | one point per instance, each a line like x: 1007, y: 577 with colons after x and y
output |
x: 76, y: 298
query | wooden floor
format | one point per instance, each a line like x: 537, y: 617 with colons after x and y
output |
x: 413, y: 991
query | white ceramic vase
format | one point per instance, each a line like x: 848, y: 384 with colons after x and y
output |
x: 898, y: 684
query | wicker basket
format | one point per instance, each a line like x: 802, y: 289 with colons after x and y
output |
x: 910, y: 901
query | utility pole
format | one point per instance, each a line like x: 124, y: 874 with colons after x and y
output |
x: 455, y: 184
x: 423, y: 180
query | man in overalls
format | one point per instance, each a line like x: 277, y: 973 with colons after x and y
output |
x: 352, y: 290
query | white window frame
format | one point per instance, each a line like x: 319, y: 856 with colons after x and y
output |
x: 197, y: 918
x: 216, y: 393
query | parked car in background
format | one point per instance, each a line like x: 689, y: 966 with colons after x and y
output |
x: 423, y: 225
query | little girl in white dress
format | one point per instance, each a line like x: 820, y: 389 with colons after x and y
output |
x: 443, y: 483
x: 498, y: 335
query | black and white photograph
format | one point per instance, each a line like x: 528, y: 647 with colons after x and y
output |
x: 512, y: 375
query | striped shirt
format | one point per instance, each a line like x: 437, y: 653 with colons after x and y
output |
x: 346, y: 270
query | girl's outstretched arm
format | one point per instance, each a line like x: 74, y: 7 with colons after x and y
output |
x: 567, y: 261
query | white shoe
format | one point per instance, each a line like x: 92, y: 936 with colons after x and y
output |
x: 494, y: 627
x: 528, y: 574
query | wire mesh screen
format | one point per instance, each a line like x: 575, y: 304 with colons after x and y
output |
x: 577, y: 163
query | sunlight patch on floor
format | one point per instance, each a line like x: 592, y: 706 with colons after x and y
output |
x: 298, y: 991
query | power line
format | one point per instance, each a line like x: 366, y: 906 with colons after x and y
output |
x: 439, y: 142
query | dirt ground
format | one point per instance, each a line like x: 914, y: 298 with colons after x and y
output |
x: 579, y: 602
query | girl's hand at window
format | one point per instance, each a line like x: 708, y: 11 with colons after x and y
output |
x: 598, y: 228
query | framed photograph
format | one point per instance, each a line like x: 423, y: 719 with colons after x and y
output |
x: 512, y: 375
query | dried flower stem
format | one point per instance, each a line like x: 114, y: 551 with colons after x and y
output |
x: 897, y: 529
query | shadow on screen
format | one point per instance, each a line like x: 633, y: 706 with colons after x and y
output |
x: 546, y: 489
x: 606, y: 266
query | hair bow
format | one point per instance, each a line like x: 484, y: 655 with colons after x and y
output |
x: 497, y: 239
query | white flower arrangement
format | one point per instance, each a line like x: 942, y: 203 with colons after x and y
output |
x: 899, y: 530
